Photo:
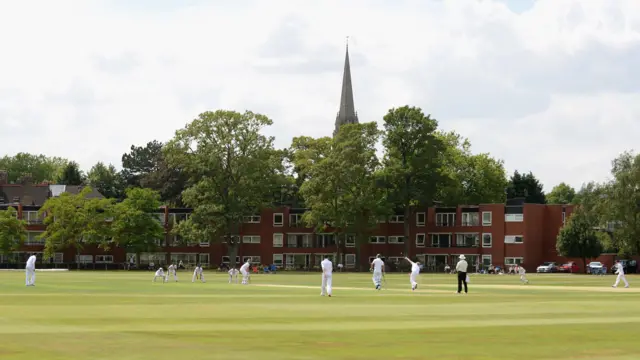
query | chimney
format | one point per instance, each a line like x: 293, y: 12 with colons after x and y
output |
x: 26, y: 179
x: 4, y: 177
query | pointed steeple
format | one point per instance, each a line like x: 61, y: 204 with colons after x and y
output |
x: 347, y: 112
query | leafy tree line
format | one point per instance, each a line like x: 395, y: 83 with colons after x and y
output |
x: 223, y: 167
x: 607, y: 214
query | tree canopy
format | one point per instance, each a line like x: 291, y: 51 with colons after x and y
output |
x: 12, y: 231
x: 578, y: 238
x: 526, y: 186
x: 561, y: 194
x: 41, y: 167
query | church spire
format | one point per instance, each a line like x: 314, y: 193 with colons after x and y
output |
x: 347, y: 112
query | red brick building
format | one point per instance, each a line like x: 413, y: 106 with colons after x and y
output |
x: 495, y: 234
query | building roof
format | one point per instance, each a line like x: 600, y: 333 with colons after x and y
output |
x: 24, y: 194
x: 347, y: 112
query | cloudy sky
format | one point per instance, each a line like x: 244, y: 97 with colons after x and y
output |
x: 546, y: 85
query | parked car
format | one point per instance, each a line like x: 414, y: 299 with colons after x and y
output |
x: 629, y: 266
x: 569, y: 267
x: 596, y: 268
x: 547, y: 267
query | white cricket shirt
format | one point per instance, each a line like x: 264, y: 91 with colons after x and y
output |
x: 462, y: 266
x: 245, y: 267
x: 377, y: 265
x: 327, y: 266
x: 31, y: 262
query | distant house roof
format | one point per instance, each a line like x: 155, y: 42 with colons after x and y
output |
x: 24, y: 194
x: 36, y: 195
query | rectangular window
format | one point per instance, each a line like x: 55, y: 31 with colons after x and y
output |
x: 33, y: 238
x: 255, y: 260
x: 513, y: 260
x: 32, y: 217
x: 470, y: 219
x: 278, y: 240
x: 513, y: 217
x: 513, y: 239
x: 186, y: 258
x: 295, y: 220
x: 350, y: 261
x: 278, y: 219
x: 486, y: 260
x: 564, y: 216
x: 350, y: 241
x: 446, y: 219
x: 396, y: 239
x: 441, y: 240
x: 300, y: 240
x: 420, y: 240
x: 253, y: 219
x: 277, y: 260
x: 486, y: 218
x: 251, y: 239
x: 84, y: 259
x: 325, y: 240
x: 226, y: 260
x: 377, y: 240
x: 396, y: 219
x: 203, y: 259
x: 421, y: 219
x: 486, y: 240
x: 104, y: 259
x: 467, y: 240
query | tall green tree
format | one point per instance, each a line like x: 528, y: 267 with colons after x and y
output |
x: 106, y: 180
x: 578, y: 238
x: 13, y: 231
x: 146, y: 166
x: 470, y: 178
x: 232, y: 169
x: 42, y: 168
x: 562, y: 193
x: 622, y: 203
x: 73, y: 221
x: 413, y: 160
x: 134, y: 226
x: 71, y: 175
x: 342, y: 189
x: 526, y: 186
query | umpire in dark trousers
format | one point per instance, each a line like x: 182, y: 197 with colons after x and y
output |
x: 461, y: 269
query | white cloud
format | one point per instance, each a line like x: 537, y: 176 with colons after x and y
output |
x: 552, y: 89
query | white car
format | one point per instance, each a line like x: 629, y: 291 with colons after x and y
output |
x: 548, y: 267
x: 596, y: 268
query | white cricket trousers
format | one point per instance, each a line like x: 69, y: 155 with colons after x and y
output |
x: 195, y: 275
x: 231, y: 278
x: 413, y: 278
x: 163, y: 277
x: 523, y: 278
x: 245, y: 277
x: 377, y: 278
x: 30, y: 276
x: 623, y: 278
x: 326, y: 284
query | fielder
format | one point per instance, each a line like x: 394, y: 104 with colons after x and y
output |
x: 160, y: 274
x: 415, y: 271
x: 244, y: 270
x: 522, y: 273
x: 198, y: 273
x: 233, y: 272
x: 377, y: 265
x: 30, y: 270
x: 327, y: 275
x: 621, y: 276
x: 171, y: 270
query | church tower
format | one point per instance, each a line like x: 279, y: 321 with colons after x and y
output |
x: 347, y: 113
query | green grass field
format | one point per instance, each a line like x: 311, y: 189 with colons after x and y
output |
x: 123, y: 315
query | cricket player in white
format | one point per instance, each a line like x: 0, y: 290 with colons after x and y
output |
x: 30, y: 270
x: 620, y: 272
x: 198, y: 273
x: 160, y: 274
x: 378, y: 269
x: 244, y: 270
x: 415, y: 271
x: 233, y: 272
x: 522, y: 273
x: 171, y: 270
x: 327, y: 274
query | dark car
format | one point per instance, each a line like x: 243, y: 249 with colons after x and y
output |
x: 629, y: 267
